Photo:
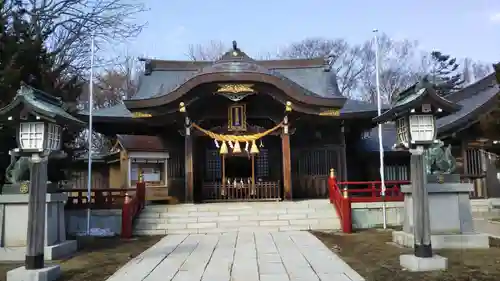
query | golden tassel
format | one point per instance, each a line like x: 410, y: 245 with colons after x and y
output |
x: 237, y: 148
x: 223, y: 148
x: 254, y: 149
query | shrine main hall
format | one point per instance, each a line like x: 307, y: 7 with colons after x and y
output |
x: 239, y: 129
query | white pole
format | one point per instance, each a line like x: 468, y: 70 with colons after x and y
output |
x: 380, y: 141
x: 91, y: 104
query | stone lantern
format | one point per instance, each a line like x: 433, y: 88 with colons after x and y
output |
x: 414, y: 113
x: 39, y: 120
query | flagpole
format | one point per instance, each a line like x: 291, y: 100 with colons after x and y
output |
x: 91, y: 105
x: 380, y: 141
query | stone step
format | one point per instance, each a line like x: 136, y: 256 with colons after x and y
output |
x: 228, y: 217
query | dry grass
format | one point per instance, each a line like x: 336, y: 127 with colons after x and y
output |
x: 371, y: 255
x: 97, y: 258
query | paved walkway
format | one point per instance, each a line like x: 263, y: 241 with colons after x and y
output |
x: 243, y: 256
x: 487, y: 227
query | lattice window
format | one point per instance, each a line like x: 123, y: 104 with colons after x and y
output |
x: 396, y: 173
x: 402, y: 131
x: 262, y: 164
x: 214, y: 166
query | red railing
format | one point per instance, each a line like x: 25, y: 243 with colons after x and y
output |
x: 342, y: 194
x: 341, y: 202
x: 132, y: 206
x: 371, y: 191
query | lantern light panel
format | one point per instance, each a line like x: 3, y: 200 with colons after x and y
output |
x: 39, y: 136
x: 402, y: 131
x: 31, y: 135
x: 422, y: 128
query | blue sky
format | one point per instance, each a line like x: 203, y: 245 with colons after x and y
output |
x: 462, y: 28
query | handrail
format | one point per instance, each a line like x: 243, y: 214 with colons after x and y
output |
x: 374, y: 191
x: 341, y: 196
x: 341, y: 202
x: 132, y: 206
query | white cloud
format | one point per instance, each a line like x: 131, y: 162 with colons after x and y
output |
x: 495, y: 17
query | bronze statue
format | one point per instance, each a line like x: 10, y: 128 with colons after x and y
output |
x: 439, y: 160
x: 18, y: 170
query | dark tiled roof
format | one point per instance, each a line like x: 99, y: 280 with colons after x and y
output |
x: 472, y: 107
x: 478, y: 100
x: 118, y: 110
x: 142, y: 143
x: 473, y: 89
x: 314, y: 80
x: 43, y: 104
x: 161, y: 82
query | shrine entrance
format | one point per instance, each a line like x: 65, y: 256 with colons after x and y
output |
x: 239, y: 172
x: 239, y: 167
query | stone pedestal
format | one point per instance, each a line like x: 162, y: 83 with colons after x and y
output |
x: 48, y: 273
x: 451, y: 221
x: 14, y: 223
x: 416, y: 264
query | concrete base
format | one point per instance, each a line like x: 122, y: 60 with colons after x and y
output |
x: 445, y: 241
x: 413, y: 263
x: 54, y: 252
x: 49, y: 273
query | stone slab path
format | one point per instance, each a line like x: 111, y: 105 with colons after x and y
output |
x: 238, y: 256
x: 487, y: 227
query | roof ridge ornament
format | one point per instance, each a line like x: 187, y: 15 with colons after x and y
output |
x: 328, y: 62
x: 236, y: 51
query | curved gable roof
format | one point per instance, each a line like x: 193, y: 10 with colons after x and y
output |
x: 306, y: 81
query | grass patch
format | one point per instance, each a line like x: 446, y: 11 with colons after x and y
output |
x: 97, y: 258
x: 371, y: 255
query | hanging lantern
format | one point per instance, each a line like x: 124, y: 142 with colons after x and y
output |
x: 223, y: 148
x: 254, y: 149
x: 230, y: 143
x: 182, y: 107
x: 288, y: 107
x: 237, y: 148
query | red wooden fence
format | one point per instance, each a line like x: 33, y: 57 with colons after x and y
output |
x: 342, y: 194
x: 132, y: 206
x: 102, y: 198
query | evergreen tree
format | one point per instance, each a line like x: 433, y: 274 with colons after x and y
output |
x: 24, y: 59
x: 445, y: 73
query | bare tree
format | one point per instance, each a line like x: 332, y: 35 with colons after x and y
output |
x: 112, y: 86
x: 206, y: 52
x: 69, y: 25
x: 480, y: 69
x: 397, y: 68
x: 344, y: 59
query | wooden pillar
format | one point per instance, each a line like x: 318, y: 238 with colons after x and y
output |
x: 124, y: 169
x: 287, y: 167
x: 36, y: 213
x: 188, y: 163
x: 223, y: 191
x: 343, y: 155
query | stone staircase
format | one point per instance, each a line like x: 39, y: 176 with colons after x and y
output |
x: 316, y: 214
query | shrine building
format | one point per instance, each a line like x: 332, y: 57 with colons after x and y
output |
x: 239, y: 129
